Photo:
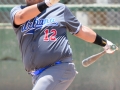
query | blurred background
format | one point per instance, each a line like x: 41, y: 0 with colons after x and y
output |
x: 103, y: 16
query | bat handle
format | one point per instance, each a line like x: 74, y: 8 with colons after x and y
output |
x: 114, y: 47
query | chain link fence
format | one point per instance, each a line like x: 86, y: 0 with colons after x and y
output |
x: 99, y: 14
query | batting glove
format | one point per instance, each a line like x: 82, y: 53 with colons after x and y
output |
x: 51, y: 2
x: 110, y: 47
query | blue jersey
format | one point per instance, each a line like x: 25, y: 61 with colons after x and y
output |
x: 43, y: 39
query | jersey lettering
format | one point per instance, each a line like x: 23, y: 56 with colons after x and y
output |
x: 36, y: 24
x: 52, y: 37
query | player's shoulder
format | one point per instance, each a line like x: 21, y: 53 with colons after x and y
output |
x: 60, y: 5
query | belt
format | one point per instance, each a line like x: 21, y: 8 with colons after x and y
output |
x: 39, y: 71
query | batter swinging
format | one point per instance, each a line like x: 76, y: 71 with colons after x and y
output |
x: 41, y: 29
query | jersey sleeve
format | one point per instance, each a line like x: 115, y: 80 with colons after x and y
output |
x: 72, y: 23
x: 12, y: 15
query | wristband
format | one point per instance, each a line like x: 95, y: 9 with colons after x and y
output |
x: 42, y: 6
x: 100, y: 41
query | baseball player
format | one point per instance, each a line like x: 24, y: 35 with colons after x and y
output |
x: 41, y: 28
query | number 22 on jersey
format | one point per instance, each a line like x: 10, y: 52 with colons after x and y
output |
x: 52, y: 37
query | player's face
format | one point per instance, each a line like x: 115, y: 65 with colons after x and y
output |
x: 31, y: 2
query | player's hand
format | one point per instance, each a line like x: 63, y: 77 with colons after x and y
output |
x: 51, y: 2
x: 110, y: 47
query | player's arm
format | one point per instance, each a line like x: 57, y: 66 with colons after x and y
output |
x: 85, y: 33
x: 26, y: 14
x: 88, y: 35
x: 32, y: 11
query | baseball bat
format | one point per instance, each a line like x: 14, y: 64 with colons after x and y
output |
x: 91, y: 59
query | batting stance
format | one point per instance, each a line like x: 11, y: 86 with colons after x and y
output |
x: 41, y: 28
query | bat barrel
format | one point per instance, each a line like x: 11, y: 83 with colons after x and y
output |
x: 88, y: 61
x: 85, y: 63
